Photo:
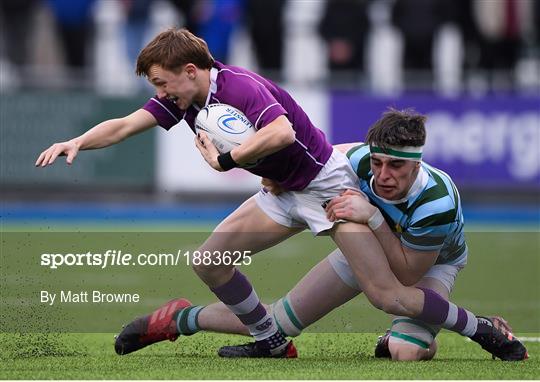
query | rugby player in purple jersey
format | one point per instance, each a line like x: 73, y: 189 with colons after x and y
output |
x: 290, y: 151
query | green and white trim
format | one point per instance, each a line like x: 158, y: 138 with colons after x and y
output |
x: 413, y: 153
x: 285, y: 317
x: 411, y: 331
x: 409, y: 339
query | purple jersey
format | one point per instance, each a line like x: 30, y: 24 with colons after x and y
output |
x: 262, y: 101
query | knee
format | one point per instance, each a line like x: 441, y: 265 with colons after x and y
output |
x: 203, y: 270
x: 384, y: 300
x: 212, y: 275
x: 406, y: 352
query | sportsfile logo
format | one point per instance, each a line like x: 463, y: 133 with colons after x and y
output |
x: 117, y: 257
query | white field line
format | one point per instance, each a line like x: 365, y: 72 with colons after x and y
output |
x: 522, y: 339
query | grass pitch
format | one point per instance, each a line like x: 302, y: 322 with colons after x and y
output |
x: 321, y: 356
x: 502, y: 278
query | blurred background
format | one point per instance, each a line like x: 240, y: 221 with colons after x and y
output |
x: 472, y: 65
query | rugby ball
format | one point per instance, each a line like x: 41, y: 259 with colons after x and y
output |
x: 225, y: 125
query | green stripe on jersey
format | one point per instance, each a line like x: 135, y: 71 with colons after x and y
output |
x: 437, y: 219
x: 438, y: 174
x: 423, y: 240
x: 432, y: 194
x: 364, y: 165
x: 402, y: 207
x: 455, y: 254
x: 429, y: 195
x: 354, y: 149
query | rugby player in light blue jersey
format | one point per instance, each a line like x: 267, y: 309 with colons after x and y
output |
x: 415, y: 212
x: 288, y: 149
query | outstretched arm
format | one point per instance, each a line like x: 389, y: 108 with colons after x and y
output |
x: 105, y: 134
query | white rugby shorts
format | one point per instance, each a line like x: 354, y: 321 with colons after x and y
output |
x: 305, y: 208
x: 404, y: 330
x: 445, y: 273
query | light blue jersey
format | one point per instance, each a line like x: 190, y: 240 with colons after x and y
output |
x: 429, y: 218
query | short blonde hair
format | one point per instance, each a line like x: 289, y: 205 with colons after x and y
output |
x: 172, y: 49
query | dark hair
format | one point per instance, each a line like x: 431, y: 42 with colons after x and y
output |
x: 172, y: 49
x: 398, y: 128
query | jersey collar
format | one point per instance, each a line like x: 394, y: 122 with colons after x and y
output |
x: 213, y: 84
x: 211, y: 90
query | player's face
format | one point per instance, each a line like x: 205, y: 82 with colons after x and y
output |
x: 179, y: 86
x: 393, y: 177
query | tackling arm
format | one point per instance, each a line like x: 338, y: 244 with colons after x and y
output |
x: 408, y: 265
x: 105, y: 134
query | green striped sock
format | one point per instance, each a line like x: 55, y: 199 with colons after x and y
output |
x: 411, y: 339
x: 187, y: 320
x: 286, y: 320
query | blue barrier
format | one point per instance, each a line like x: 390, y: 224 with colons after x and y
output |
x: 186, y: 213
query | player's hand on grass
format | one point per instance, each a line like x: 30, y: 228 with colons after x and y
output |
x: 351, y: 205
x: 208, y: 150
x: 68, y: 148
x: 272, y: 186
